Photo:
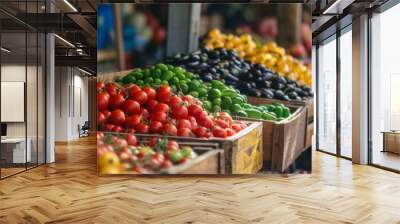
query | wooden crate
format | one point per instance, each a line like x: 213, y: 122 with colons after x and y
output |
x: 210, y: 159
x: 241, y: 153
x: 283, y: 141
x: 309, y: 105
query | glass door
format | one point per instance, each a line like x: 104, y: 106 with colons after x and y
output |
x: 385, y: 90
x: 326, y: 105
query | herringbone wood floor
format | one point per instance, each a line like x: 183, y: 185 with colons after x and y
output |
x: 69, y: 191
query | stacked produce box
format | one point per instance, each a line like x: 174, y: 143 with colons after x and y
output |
x: 201, y: 98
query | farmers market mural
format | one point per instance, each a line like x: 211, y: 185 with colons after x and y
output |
x: 236, y: 104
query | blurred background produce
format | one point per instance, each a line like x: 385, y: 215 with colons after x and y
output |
x: 139, y: 36
x: 139, y: 31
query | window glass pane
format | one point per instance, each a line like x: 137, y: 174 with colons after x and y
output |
x: 327, y: 96
x: 346, y: 93
x: 385, y: 87
x: 13, y: 86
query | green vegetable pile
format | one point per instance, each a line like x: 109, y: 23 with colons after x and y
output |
x: 215, y: 95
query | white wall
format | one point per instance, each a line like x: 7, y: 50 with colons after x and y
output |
x: 71, y: 94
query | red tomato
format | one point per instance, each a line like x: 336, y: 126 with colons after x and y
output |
x: 159, y: 157
x: 164, y: 93
x: 225, y: 116
x: 117, y: 117
x: 116, y: 101
x: 205, y: 121
x: 200, y: 131
x: 131, y: 107
x: 221, y: 123
x: 159, y: 116
x: 99, y: 86
x: 106, y: 113
x: 236, y: 127
x: 151, y: 93
x: 180, y: 112
x: 124, y: 156
x: 112, y: 89
x: 169, y: 129
x: 230, y: 132
x: 151, y: 105
x: 166, y: 164
x: 140, y: 96
x: 131, y: 139
x: 133, y: 89
x: 162, y: 107
x: 117, y: 129
x: 195, y: 110
x: 183, y: 160
x: 103, y: 100
x: 145, y: 113
x: 175, y: 101
x: 156, y: 127
x: 142, y: 128
x: 184, y: 123
x: 202, y: 114
x: 193, y: 122
x: 108, y: 127
x: 132, y: 121
x: 101, y: 118
x: 219, y: 132
x: 189, y: 99
x: 172, y: 145
x: 184, y: 132
x: 153, y: 142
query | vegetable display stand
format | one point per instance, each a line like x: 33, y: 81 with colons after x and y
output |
x: 284, y: 141
x: 309, y: 105
x: 242, y: 152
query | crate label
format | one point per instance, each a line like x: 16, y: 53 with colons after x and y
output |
x: 248, y: 157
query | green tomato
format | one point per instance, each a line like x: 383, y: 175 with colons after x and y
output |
x: 187, y: 152
x: 174, y: 81
x: 157, y: 81
x: 216, y: 101
x: 236, y: 107
x: 214, y: 93
x: 237, y: 100
x: 241, y: 113
x: 216, y: 109
x: 140, y: 82
x: 202, y: 92
x: 189, y: 75
x: 175, y: 156
x: 128, y: 79
x: 148, y: 80
x: 207, y: 105
x: 184, y: 88
x: 226, y: 102
x: 162, y: 67
x: 194, y: 94
x: 194, y: 85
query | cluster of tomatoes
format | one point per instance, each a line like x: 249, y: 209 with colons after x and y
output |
x: 120, y: 154
x: 131, y: 109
